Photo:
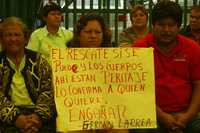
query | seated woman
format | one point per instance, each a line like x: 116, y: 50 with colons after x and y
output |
x: 26, y: 91
x: 92, y: 32
x: 138, y: 29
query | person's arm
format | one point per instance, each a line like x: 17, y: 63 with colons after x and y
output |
x: 194, y: 106
x: 166, y: 119
x: 124, y: 40
x: 68, y: 36
x: 45, y: 105
x: 8, y: 111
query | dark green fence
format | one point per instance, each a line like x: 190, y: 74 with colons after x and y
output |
x: 115, y: 12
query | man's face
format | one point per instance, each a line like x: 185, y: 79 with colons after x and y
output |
x: 165, y: 30
x: 13, y: 39
x: 91, y: 35
x: 53, y: 18
x: 195, y: 20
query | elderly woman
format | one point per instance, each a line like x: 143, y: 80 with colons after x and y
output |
x: 138, y: 29
x: 26, y: 92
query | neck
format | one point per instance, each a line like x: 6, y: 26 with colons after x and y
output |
x: 140, y: 31
x: 166, y: 47
x: 16, y: 58
x: 52, y: 29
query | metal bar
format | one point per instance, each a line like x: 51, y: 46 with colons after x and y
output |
x: 108, y: 14
x: 185, y: 13
x: 99, y: 4
x: 116, y: 23
x: 83, y: 4
x: 91, y: 4
x: 74, y: 13
x: 98, y: 10
x: 66, y: 16
x: 124, y: 23
x: 150, y: 10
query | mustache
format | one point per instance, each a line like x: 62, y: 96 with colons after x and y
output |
x: 165, y: 34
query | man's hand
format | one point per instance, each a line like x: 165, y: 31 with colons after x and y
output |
x: 22, y: 122
x: 34, y: 124
x: 29, y: 123
x: 182, y: 119
x: 168, y: 121
x: 35, y: 120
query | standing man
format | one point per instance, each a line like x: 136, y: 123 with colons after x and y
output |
x: 177, y: 71
x: 193, y: 29
x: 52, y: 35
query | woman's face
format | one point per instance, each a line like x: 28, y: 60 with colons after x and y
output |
x: 139, y: 19
x: 91, y: 35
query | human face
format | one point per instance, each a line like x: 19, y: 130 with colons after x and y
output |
x: 91, y: 35
x: 53, y: 18
x: 165, y: 31
x: 195, y: 20
x: 13, y: 39
x: 139, y: 19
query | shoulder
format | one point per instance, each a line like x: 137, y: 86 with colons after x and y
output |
x: 187, y: 42
x: 67, y: 33
x: 127, y: 31
x: 145, y: 42
x: 36, y: 57
x: 39, y: 32
x: 33, y: 55
x: 189, y: 47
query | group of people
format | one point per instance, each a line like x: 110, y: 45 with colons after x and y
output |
x: 26, y: 90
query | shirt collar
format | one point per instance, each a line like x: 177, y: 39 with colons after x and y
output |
x: 13, y: 66
x: 49, y: 34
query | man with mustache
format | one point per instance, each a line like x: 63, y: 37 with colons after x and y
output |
x: 193, y: 29
x: 177, y: 71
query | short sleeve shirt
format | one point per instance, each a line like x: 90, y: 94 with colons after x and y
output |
x: 42, y: 41
x: 174, y: 72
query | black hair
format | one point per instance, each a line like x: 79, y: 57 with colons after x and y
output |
x: 50, y: 7
x: 83, y: 21
x: 165, y: 9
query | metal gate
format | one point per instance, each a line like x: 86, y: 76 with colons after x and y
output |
x: 115, y: 12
